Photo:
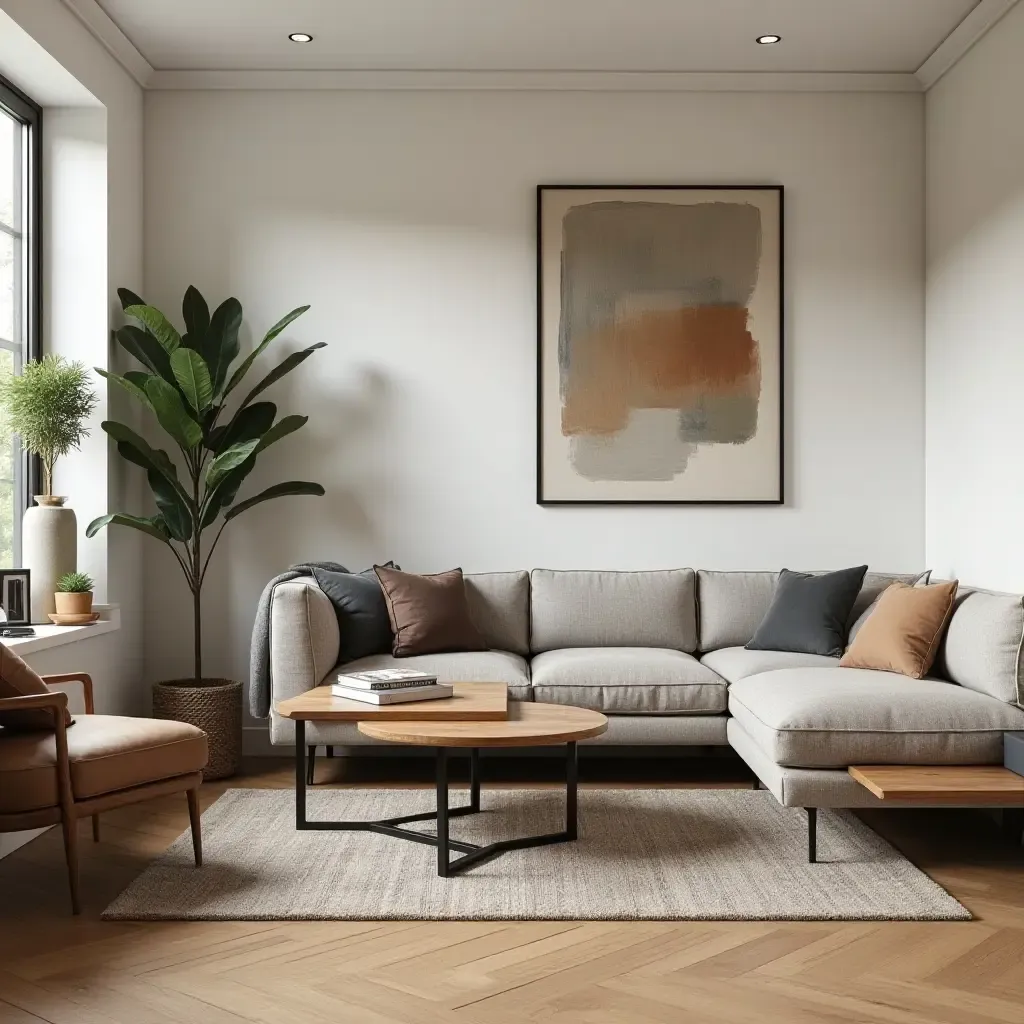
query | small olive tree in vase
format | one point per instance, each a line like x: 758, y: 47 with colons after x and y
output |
x: 47, y: 405
x: 188, y: 385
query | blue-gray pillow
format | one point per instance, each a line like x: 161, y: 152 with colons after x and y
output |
x: 809, y: 614
x: 362, y: 612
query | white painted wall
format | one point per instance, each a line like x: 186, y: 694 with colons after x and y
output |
x: 407, y: 220
x: 975, y: 323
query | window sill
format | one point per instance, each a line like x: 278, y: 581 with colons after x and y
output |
x: 57, y: 636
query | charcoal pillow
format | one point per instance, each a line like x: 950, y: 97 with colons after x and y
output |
x: 362, y: 612
x: 809, y: 614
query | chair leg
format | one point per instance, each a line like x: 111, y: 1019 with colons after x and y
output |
x: 197, y: 833
x: 812, y: 835
x: 310, y: 759
x: 69, y: 826
x: 95, y: 828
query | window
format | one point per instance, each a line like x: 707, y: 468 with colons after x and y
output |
x: 20, y: 144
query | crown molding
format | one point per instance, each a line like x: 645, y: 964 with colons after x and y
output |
x: 113, y: 40
x: 540, y: 81
x: 980, y: 20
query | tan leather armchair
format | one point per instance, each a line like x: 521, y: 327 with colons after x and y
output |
x: 96, y: 764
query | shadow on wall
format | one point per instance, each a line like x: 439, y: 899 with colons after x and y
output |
x: 264, y: 541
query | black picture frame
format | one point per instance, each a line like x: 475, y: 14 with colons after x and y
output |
x: 779, y: 190
x: 16, y: 596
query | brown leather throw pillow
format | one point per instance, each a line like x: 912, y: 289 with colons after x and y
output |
x: 18, y: 679
x: 904, y: 631
x: 429, y: 614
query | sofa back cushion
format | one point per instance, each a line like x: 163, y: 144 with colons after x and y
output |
x: 613, y: 609
x: 731, y: 605
x: 499, y: 605
x: 982, y: 647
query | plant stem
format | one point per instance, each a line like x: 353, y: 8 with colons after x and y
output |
x: 197, y: 579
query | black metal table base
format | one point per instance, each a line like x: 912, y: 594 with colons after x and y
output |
x: 441, y: 839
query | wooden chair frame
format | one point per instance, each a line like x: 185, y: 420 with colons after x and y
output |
x: 69, y: 810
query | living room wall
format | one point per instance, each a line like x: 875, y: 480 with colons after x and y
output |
x: 407, y: 221
x: 975, y: 348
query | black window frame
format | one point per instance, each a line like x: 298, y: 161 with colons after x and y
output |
x: 14, y: 103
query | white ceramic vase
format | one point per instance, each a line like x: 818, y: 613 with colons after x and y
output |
x: 49, y: 548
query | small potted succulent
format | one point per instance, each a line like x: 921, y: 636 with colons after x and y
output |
x: 74, y: 594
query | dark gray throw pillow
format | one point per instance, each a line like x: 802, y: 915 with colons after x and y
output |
x: 809, y: 614
x: 362, y: 612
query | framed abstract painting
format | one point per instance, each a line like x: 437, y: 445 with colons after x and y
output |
x: 660, y: 344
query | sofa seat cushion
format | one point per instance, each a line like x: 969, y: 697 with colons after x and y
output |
x: 456, y: 667
x: 628, y: 681
x: 106, y: 754
x: 735, y: 663
x: 835, y: 717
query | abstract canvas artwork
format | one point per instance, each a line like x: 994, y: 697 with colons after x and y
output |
x: 659, y: 344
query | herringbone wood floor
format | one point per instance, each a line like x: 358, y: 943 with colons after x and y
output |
x: 83, y: 971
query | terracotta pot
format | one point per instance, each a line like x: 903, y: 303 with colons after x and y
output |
x: 73, y: 604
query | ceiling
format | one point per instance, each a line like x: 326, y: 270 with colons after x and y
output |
x: 539, y: 35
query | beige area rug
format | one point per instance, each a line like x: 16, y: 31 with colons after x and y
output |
x: 643, y: 854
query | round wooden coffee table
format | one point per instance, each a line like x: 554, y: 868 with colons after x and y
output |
x: 528, y: 725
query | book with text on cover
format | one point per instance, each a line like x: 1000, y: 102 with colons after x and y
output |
x: 404, y: 695
x: 386, y: 679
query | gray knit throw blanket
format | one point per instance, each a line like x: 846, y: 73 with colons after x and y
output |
x: 259, y: 656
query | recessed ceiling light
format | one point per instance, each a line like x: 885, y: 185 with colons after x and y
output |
x: 769, y: 40
x: 305, y: 37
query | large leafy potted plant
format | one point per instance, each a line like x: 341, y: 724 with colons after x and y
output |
x: 47, y: 405
x: 188, y: 384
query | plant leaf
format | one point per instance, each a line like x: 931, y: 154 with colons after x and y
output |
x: 231, y: 458
x: 282, y: 428
x: 285, y: 366
x: 128, y: 384
x: 170, y: 411
x: 129, y: 298
x: 223, y: 494
x: 196, y: 314
x: 123, y: 519
x: 250, y: 424
x: 136, y: 450
x: 274, y: 331
x: 222, y: 340
x: 193, y: 377
x: 158, y: 324
x: 174, y: 512
x: 146, y: 349
x: 277, y: 491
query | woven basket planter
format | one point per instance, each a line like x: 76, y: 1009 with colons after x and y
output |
x: 215, y: 706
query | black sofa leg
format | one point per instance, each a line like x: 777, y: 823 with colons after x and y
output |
x: 330, y: 751
x: 757, y: 783
x: 310, y: 760
x: 812, y: 835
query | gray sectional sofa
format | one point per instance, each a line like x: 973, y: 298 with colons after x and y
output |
x: 661, y: 654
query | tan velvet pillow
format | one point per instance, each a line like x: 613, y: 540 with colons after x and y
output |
x: 429, y: 614
x: 18, y: 679
x: 904, y: 631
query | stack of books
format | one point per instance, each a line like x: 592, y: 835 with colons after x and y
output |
x: 389, y: 686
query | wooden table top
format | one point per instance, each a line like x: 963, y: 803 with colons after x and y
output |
x: 528, y: 725
x: 962, y: 785
x: 477, y: 702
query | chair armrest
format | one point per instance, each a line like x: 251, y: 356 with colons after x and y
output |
x: 76, y: 677
x: 55, y: 702
x: 304, y: 638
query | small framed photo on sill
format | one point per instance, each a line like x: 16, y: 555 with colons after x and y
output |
x: 15, y: 596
